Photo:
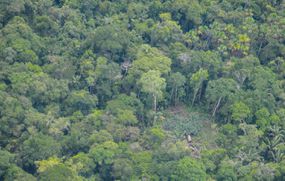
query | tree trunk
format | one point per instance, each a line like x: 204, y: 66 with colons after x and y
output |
x: 194, y: 97
x: 200, y: 93
x: 171, y: 96
x: 175, y: 96
x: 216, y: 107
x: 154, y: 103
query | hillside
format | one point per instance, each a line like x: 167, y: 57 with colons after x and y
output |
x: 129, y: 90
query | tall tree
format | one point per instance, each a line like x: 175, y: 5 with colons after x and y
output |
x: 197, y: 80
x: 153, y: 84
x: 220, y: 90
x: 149, y: 58
x: 176, y: 81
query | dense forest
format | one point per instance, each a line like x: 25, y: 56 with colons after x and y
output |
x: 145, y: 90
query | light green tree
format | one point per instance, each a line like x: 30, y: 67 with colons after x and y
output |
x: 240, y: 111
x: 104, y: 153
x: 197, y: 80
x: 176, y: 81
x: 149, y: 58
x: 153, y: 84
x: 189, y: 169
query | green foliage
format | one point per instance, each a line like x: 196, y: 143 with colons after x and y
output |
x: 240, y: 111
x: 142, y: 162
x: 80, y: 100
x: 122, y: 169
x: 105, y: 78
x: 212, y: 159
x: 191, y: 123
x: 189, y: 169
x: 111, y: 39
x: 58, y: 172
x: 193, y: 61
x: 226, y: 171
x: 125, y: 108
x: 273, y: 140
x: 153, y: 84
x: 6, y: 160
x: 176, y: 81
x: 44, y: 165
x: 228, y: 136
x: 165, y: 31
x: 154, y: 137
x: 150, y: 58
x: 81, y: 163
x: 220, y: 90
x: 100, y: 137
x: 196, y: 81
x: 38, y: 147
x: 262, y: 116
x: 99, y: 90
x: 17, y: 174
x: 104, y: 153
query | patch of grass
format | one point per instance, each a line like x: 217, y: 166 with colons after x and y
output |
x: 181, y: 120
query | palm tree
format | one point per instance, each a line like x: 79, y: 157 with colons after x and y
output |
x: 274, y: 140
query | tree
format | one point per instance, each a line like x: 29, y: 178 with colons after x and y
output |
x: 226, y: 171
x: 228, y: 136
x: 218, y: 90
x: 240, y: 111
x: 80, y: 100
x: 153, y: 84
x: 125, y: 109
x: 29, y: 80
x: 191, y: 62
x: 166, y: 31
x: 125, y: 102
x: 82, y: 164
x: 37, y: 147
x: 105, y: 80
x: 15, y: 173
x: 59, y: 172
x: 149, y: 58
x: 263, y: 171
x: 143, y: 162
x: 60, y: 68
x: 104, y: 152
x: 241, y: 69
x: 12, y: 110
x: 9, y: 9
x: 122, y: 169
x: 189, y: 169
x: 262, y: 118
x: 274, y: 140
x: 6, y: 161
x: 154, y: 137
x: 43, y: 165
x: 100, y: 90
x: 188, y: 14
x: 247, y: 148
x: 111, y: 39
x: 176, y: 81
x: 212, y: 158
x: 103, y: 156
x: 18, y: 36
x: 45, y: 25
x: 197, y: 80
